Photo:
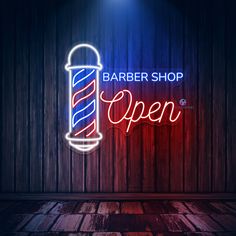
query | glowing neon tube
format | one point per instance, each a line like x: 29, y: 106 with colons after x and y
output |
x: 84, y: 134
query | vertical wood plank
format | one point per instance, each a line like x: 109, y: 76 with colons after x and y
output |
x: 63, y: 45
x: 204, y: 101
x: 50, y: 99
x: 92, y: 36
x: 36, y: 97
x: 22, y: 97
x: 218, y: 97
x: 162, y: 58
x: 148, y: 96
x: 120, y: 137
x: 78, y: 36
x: 190, y: 93
x: 135, y: 140
x: 8, y: 99
x: 107, y: 143
x: 176, y: 89
x: 231, y: 97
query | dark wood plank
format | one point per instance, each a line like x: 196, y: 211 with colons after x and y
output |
x: 135, y: 223
x: 180, y: 207
x: 162, y: 59
x: 177, y: 223
x: 138, y: 234
x: 22, y: 97
x: 40, y: 223
x: 107, y: 147
x: 29, y: 207
x: 149, y: 96
x: 93, y: 158
x: 5, y: 204
x: 190, y: 93
x: 50, y: 99
x: 66, y: 207
x: 201, y: 233
x: 16, y: 234
x: 176, y: 93
x: 69, y: 223
x: 204, y: 223
x: 13, y: 223
x: 109, y: 208
x: 200, y: 207
x: 204, y: 101
x: 218, y: 100
x: 94, y: 222
x: 63, y: 44
x: 7, y: 98
x: 46, y: 207
x: 135, y: 139
x: 231, y: 96
x: 106, y: 234
x: 232, y: 204
x: 78, y: 35
x: 158, y: 207
x: 120, y: 136
x: 36, y: 97
x: 131, y: 208
x: 227, y: 221
x: 222, y: 207
x: 86, y: 207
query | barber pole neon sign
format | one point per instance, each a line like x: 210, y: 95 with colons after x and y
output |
x: 84, y: 134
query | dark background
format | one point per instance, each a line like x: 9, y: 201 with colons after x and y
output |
x: 198, y: 154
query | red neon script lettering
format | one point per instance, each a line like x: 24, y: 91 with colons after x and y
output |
x: 138, y: 109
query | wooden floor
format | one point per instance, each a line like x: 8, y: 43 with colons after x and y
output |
x: 99, y: 218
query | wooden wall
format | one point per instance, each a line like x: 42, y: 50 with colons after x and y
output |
x: 196, y: 155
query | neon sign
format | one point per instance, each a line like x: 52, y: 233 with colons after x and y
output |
x: 84, y: 133
x: 133, y: 118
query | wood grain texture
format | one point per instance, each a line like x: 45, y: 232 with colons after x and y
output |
x: 36, y: 67
x: 204, y: 101
x: 230, y: 97
x: 196, y: 155
x: 78, y: 170
x: 191, y: 94
x: 50, y: 100
x: 22, y: 97
x: 8, y: 99
x: 63, y: 43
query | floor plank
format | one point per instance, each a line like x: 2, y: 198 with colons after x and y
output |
x: 68, y: 223
x: 204, y: 223
x: 200, y: 207
x: 107, y: 234
x: 14, y: 223
x: 200, y: 234
x: 158, y: 207
x: 94, y: 222
x: 138, y: 234
x: 25, y: 207
x: 135, y: 223
x: 232, y: 204
x: 5, y: 204
x: 66, y: 207
x: 86, y: 207
x: 222, y: 207
x: 40, y: 223
x: 180, y: 207
x: 227, y: 221
x: 131, y: 208
x: 46, y: 207
x: 177, y: 223
x: 109, y: 208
